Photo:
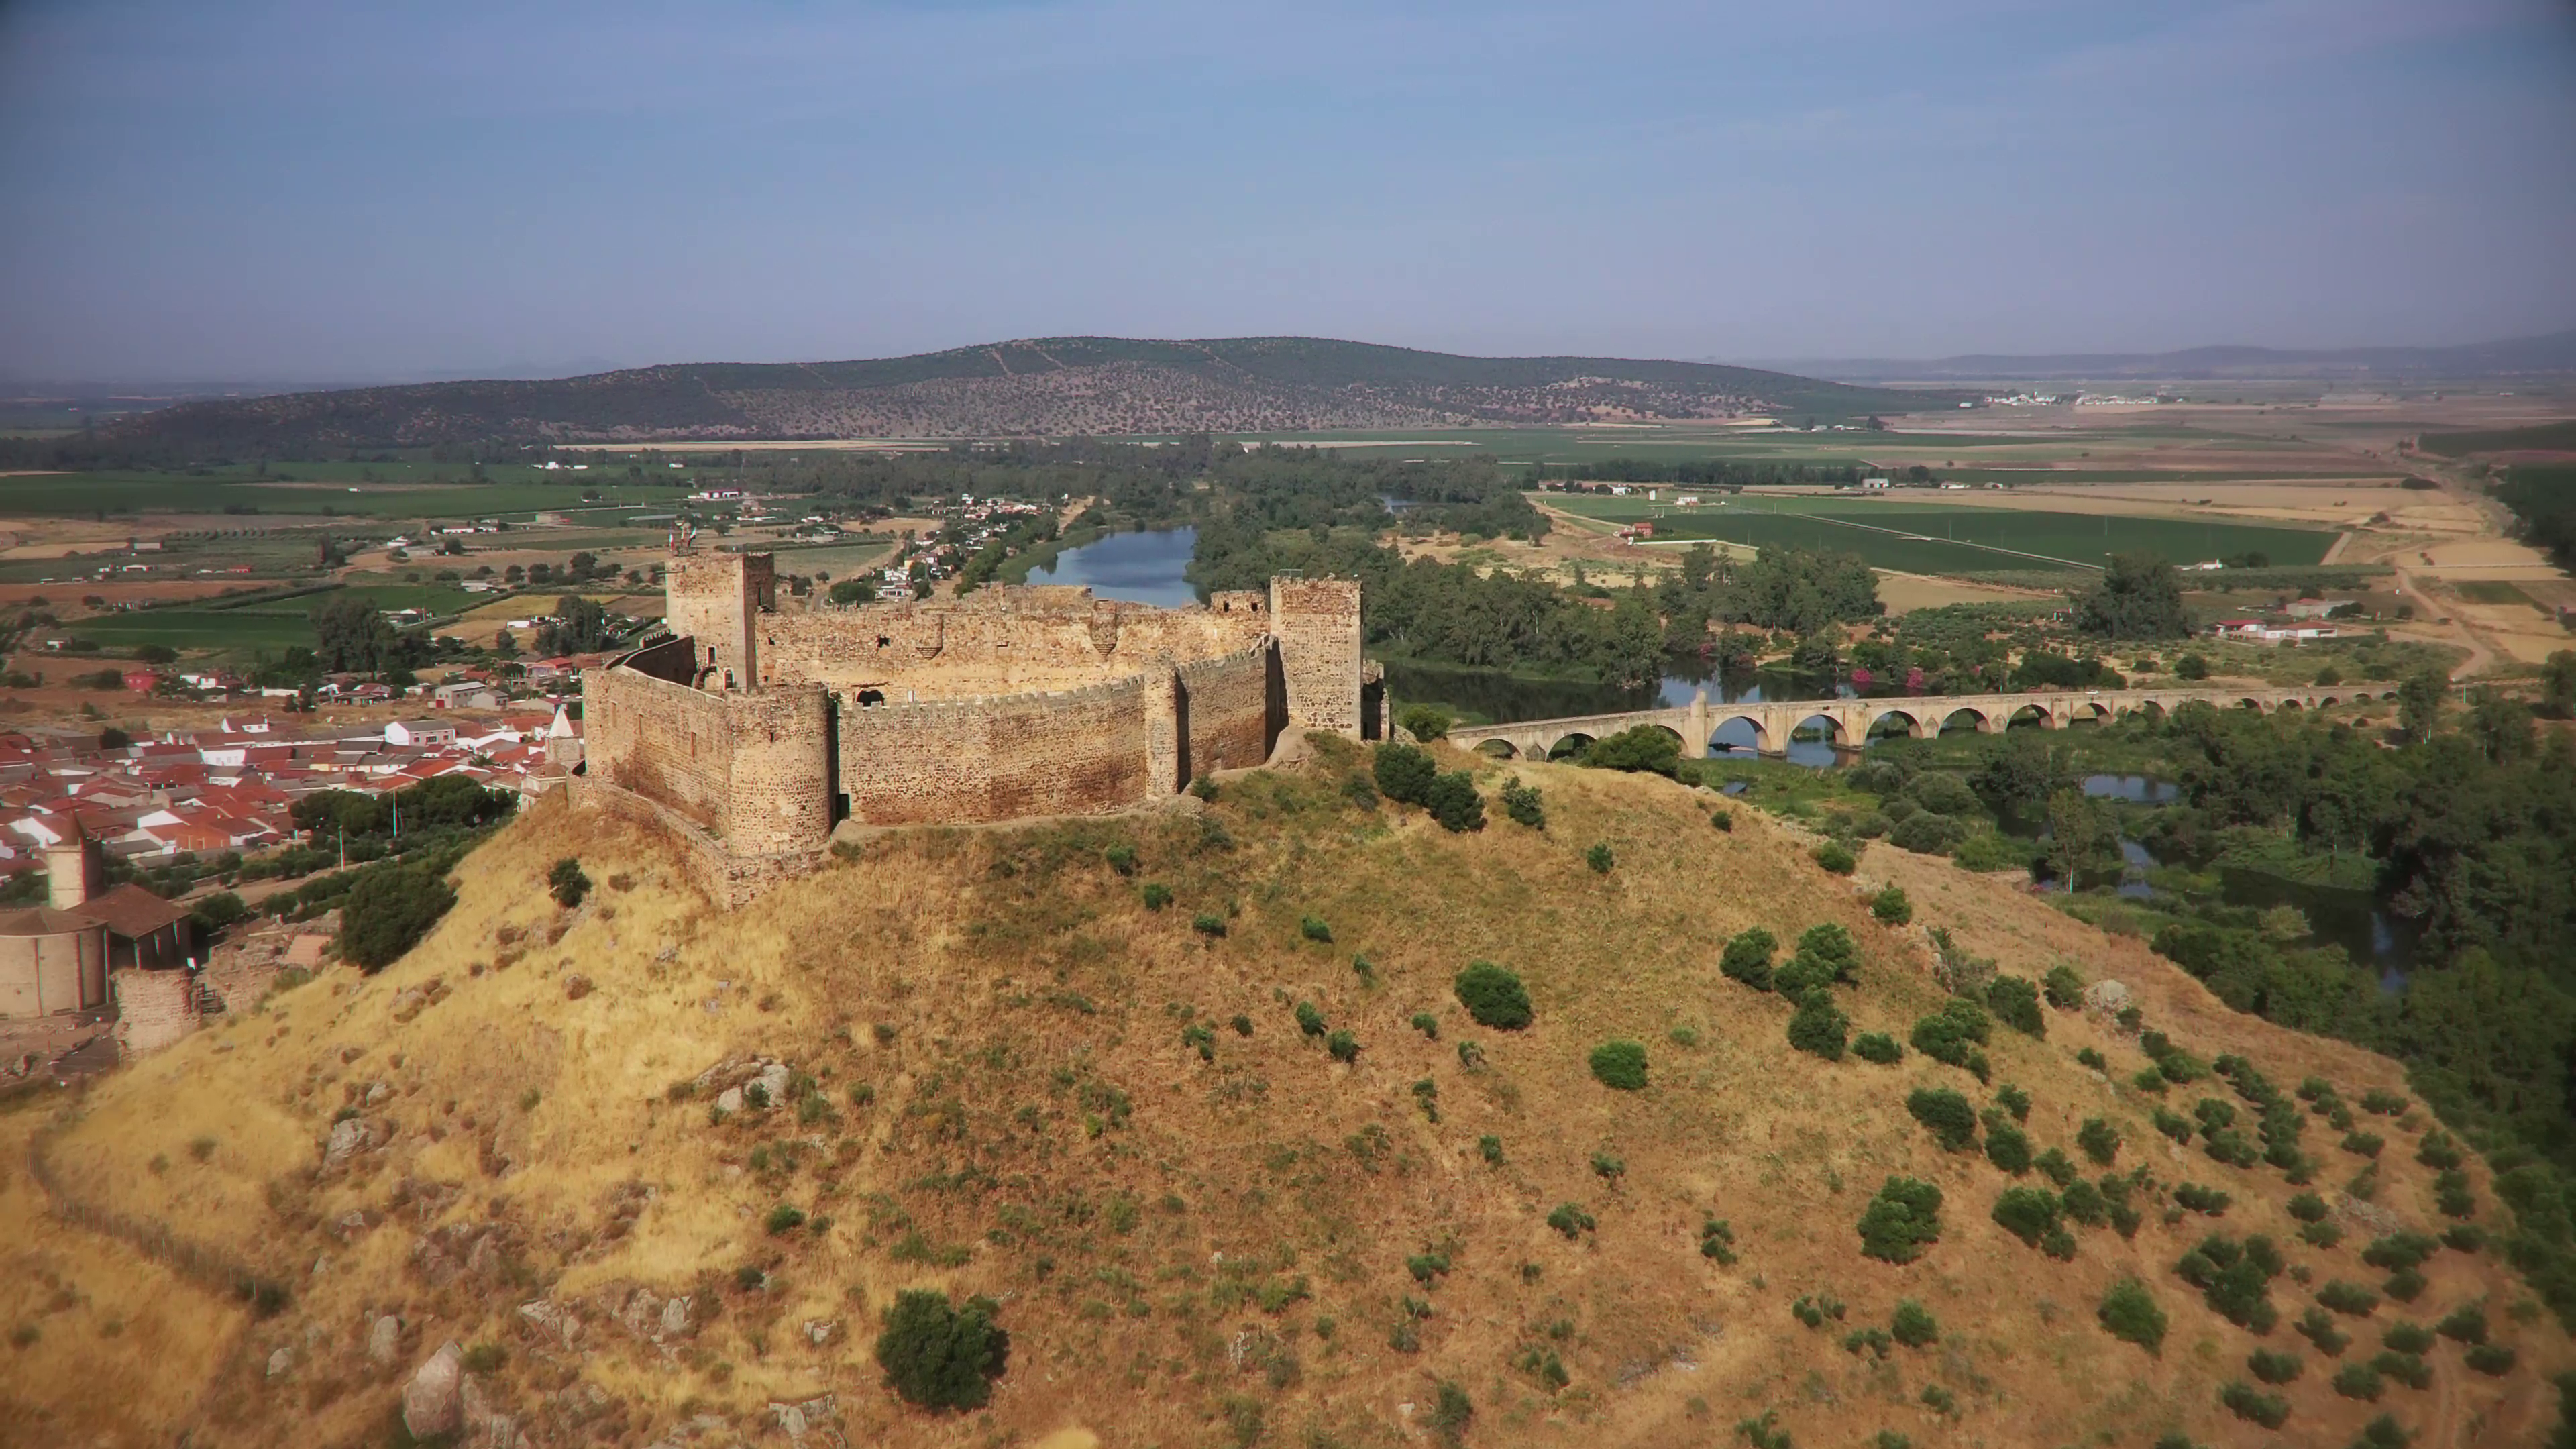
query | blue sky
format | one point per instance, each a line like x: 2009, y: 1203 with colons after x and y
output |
x: 326, y: 191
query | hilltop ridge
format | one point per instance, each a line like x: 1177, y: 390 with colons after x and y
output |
x: 1053, y: 386
x: 995, y: 1067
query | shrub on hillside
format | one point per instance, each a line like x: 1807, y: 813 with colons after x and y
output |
x: 566, y: 883
x: 1914, y: 1325
x: 1425, y: 722
x: 386, y: 912
x: 1453, y: 801
x: 2234, y: 1278
x: 1644, y: 749
x: 1952, y: 1122
x: 1836, y: 858
x: 1928, y: 833
x: 1748, y: 958
x: 1879, y: 1047
x: 2273, y: 1366
x: 1901, y: 1220
x: 1620, y: 1065
x: 1952, y: 1034
x: 2015, y: 1003
x: 1600, y: 858
x: 1830, y: 947
x: 1521, y: 803
x: 2028, y: 1213
x: 2064, y: 987
x: 2129, y: 1313
x: 941, y: 1357
x: 1493, y: 996
x: 2099, y: 1140
x: 1891, y: 907
x: 2243, y: 1399
x: 2007, y: 1146
x: 1403, y: 773
x: 1818, y: 1028
x: 2350, y: 1299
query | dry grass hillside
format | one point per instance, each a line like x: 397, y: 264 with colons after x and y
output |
x: 1259, y: 1245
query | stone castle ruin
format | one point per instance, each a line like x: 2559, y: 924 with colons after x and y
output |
x: 759, y: 725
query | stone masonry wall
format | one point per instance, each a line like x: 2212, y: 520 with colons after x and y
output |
x: 662, y: 740
x: 995, y: 641
x: 1232, y: 713
x: 153, y: 1008
x: 717, y: 599
x: 1317, y: 623
x: 1074, y: 752
x: 779, y: 790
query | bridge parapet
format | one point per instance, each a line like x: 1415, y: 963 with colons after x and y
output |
x: 1923, y: 716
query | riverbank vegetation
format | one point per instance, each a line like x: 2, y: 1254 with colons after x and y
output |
x: 2460, y: 831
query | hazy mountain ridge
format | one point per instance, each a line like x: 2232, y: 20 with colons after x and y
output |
x: 1043, y: 386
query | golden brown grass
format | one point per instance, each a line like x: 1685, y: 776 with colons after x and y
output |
x: 1181, y: 1245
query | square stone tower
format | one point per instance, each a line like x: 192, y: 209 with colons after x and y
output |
x: 717, y: 599
x: 1317, y: 624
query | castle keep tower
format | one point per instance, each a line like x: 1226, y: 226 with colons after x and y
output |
x: 1317, y: 624
x: 717, y: 599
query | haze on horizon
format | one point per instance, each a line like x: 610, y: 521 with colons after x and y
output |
x: 297, y: 191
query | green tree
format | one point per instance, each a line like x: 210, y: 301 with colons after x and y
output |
x: 1646, y: 749
x: 1493, y: 996
x: 2419, y: 703
x: 2558, y: 685
x: 1404, y: 773
x: 349, y: 634
x: 386, y: 912
x: 2082, y: 836
x: 2139, y: 597
x: 2501, y: 725
x: 577, y: 626
x: 941, y: 1357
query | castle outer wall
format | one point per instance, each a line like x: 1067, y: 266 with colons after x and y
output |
x: 1010, y: 704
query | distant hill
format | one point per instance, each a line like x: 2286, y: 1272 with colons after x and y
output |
x: 2553, y: 354
x: 1054, y: 386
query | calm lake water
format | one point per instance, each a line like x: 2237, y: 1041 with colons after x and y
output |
x: 1142, y: 567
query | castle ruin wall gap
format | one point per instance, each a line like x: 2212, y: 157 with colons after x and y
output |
x: 760, y: 727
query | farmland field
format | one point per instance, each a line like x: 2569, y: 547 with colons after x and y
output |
x: 370, y: 490
x: 231, y: 633
x: 1937, y: 538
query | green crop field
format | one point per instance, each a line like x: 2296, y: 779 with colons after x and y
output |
x: 2495, y: 591
x: 399, y: 490
x: 1933, y: 538
x: 228, y: 633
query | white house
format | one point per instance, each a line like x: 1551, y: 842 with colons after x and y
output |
x: 420, y: 732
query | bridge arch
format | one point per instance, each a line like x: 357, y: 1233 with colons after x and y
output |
x: 2249, y: 702
x: 2152, y: 709
x: 1762, y: 741
x: 1917, y: 724
x: 1568, y: 744
x: 2091, y: 711
x: 2287, y: 704
x: 1835, y: 732
x: 2029, y: 714
x: 1978, y: 720
x: 1498, y: 748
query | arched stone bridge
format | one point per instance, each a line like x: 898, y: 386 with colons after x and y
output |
x: 1851, y: 721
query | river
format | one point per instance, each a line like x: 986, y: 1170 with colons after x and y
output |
x: 1148, y: 569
